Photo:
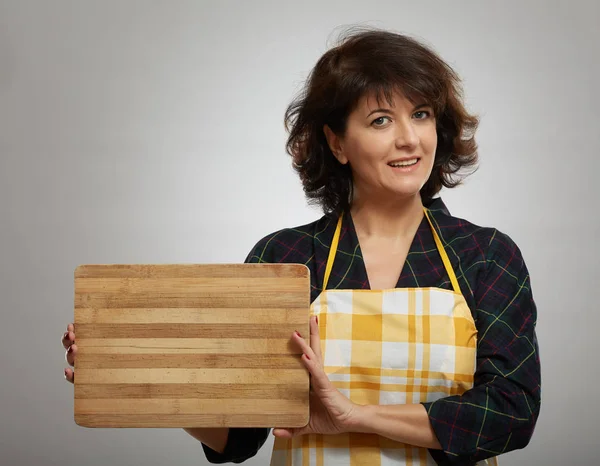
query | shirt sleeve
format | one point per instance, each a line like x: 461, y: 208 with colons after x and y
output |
x: 499, y: 413
x: 243, y: 442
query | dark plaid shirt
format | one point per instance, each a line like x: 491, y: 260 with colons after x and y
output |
x: 499, y: 413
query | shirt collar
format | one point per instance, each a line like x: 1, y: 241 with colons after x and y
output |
x: 348, y: 270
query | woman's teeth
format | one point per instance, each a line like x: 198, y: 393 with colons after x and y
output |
x: 404, y: 163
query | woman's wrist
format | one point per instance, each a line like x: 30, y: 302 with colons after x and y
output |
x: 360, y: 420
x: 402, y: 423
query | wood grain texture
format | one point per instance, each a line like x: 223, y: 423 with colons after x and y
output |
x: 190, y: 345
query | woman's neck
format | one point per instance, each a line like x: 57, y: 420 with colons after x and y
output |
x: 397, y: 219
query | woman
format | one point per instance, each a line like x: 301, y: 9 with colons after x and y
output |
x: 422, y: 346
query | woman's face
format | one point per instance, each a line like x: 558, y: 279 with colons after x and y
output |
x: 390, y: 149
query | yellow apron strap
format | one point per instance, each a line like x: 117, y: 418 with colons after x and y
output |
x: 438, y: 242
x: 332, y: 251
x: 444, y: 255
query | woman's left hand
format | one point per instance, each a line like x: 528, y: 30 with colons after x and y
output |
x: 330, y: 411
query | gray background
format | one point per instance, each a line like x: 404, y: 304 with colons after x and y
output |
x: 143, y: 132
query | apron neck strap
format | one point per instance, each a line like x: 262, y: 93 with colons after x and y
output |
x: 442, y: 251
x: 438, y: 243
x: 332, y: 251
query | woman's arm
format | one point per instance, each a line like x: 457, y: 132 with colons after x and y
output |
x: 215, y: 438
x: 499, y: 413
x: 403, y: 423
x: 235, y: 445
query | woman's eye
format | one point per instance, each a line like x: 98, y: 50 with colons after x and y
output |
x: 424, y: 114
x: 379, y: 121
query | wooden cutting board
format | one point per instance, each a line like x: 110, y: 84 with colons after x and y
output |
x: 191, y: 345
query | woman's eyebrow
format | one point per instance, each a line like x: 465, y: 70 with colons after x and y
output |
x: 421, y: 106
x: 387, y: 110
x: 383, y: 110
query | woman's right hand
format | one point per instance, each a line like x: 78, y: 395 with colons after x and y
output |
x: 68, y: 341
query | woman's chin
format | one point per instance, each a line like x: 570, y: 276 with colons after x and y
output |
x: 406, y: 192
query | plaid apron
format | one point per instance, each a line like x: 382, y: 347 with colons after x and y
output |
x: 397, y: 346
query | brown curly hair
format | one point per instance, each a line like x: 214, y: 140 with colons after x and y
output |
x: 375, y: 62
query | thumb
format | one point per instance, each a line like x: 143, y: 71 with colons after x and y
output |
x: 290, y: 433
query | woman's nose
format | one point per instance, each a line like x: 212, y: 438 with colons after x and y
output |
x: 406, y: 134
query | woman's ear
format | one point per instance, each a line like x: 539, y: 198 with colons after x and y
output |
x: 335, y: 144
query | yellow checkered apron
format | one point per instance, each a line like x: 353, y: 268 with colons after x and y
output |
x: 397, y: 346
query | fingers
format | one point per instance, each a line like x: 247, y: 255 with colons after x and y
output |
x: 290, y: 433
x: 68, y: 337
x: 70, y: 375
x: 313, y: 348
x: 283, y: 433
x: 68, y: 342
x: 318, y: 378
x: 306, y: 349
x: 315, y: 339
x: 70, y: 354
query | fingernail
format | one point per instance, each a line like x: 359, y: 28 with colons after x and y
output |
x: 298, y: 333
x: 317, y: 319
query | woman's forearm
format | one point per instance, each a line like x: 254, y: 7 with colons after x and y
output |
x: 403, y: 423
x: 214, y: 438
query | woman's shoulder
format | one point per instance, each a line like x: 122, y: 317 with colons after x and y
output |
x: 294, y: 244
x: 476, y: 245
x: 454, y: 228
